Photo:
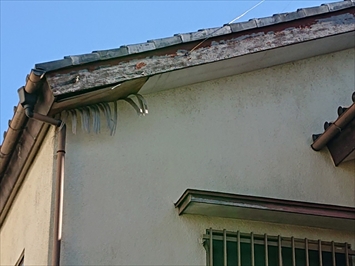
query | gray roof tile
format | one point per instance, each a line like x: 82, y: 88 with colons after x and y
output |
x: 236, y: 27
x: 112, y: 53
x: 226, y: 29
x: 312, y: 11
x: 295, y: 15
x: 282, y: 17
x: 160, y: 43
x: 193, y: 36
x: 47, y: 66
x: 140, y: 47
x: 84, y: 58
x: 262, y: 22
x: 339, y: 5
x: 204, y: 33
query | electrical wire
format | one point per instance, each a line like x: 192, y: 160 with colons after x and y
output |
x: 240, y: 16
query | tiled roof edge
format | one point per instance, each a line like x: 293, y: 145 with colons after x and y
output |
x: 125, y: 50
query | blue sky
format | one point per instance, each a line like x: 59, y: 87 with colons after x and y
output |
x: 40, y: 31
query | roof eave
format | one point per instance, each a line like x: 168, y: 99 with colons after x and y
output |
x: 101, y: 74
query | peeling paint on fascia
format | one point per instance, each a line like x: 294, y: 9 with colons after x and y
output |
x: 243, y: 37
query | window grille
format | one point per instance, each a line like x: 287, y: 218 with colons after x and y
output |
x: 241, y: 249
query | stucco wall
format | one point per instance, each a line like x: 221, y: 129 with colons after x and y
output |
x: 27, y: 226
x: 247, y: 134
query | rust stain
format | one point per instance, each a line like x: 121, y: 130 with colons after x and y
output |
x: 140, y: 65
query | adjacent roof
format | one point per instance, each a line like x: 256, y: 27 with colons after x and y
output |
x: 339, y: 136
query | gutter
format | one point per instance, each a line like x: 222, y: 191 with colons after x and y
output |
x: 28, y: 99
x: 332, y: 129
x: 33, y: 84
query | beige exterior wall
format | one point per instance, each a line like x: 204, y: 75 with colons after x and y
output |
x: 247, y: 134
x: 27, y: 226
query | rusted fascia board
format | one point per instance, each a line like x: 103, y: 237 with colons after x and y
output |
x: 343, y: 144
x: 220, y: 48
x: 263, y: 203
x: 24, y: 153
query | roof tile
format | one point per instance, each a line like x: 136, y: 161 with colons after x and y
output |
x: 112, y: 53
x: 312, y: 11
x: 262, y: 22
x: 140, y: 47
x: 300, y: 13
x: 204, y: 33
x: 339, y: 5
x: 211, y: 32
x: 160, y: 43
x: 82, y: 59
x: 236, y: 27
x: 52, y: 65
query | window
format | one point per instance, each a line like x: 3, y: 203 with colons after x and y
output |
x: 239, y: 249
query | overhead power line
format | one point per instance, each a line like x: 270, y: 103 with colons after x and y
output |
x: 209, y: 35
